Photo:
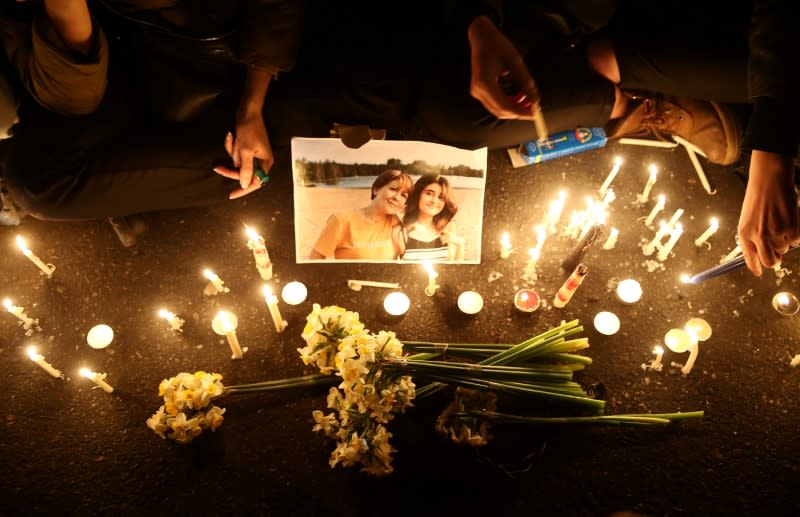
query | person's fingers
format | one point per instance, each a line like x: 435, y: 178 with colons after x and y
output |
x: 240, y: 192
x: 229, y: 144
x: 246, y: 168
x: 766, y: 253
x: 750, y: 253
x: 228, y: 173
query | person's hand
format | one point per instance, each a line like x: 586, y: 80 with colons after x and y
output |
x: 768, y: 223
x: 493, y: 57
x: 251, y: 143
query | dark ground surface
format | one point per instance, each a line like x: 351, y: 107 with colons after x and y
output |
x: 69, y: 449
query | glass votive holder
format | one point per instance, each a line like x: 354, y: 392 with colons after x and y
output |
x: 785, y: 303
x: 526, y: 300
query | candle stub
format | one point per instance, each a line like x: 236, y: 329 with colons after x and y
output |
x: 100, y: 336
x: 470, y: 302
x: 526, y: 300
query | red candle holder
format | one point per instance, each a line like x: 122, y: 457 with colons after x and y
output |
x: 526, y: 300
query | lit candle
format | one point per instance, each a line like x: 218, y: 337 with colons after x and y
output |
x: 47, y: 269
x: 526, y: 300
x: 470, y: 302
x: 567, y: 289
x: 541, y: 236
x: 556, y: 208
x: 655, y: 364
x: 656, y: 209
x: 651, y: 180
x: 650, y: 247
x: 674, y: 219
x: 263, y: 262
x: 505, y: 245
x: 575, y: 221
x: 785, y: 303
x: 224, y: 324
x: 39, y: 359
x: 612, y: 239
x: 217, y: 285
x: 97, y: 378
x: 356, y: 285
x: 735, y: 252
x: 588, y: 219
x: 530, y: 266
x: 679, y: 341
x: 294, y: 293
x: 432, y: 286
x: 100, y: 336
x: 175, y: 322
x: 700, y: 328
x: 708, y: 233
x: 272, y: 304
x: 674, y: 235
x: 629, y: 291
x: 647, y: 142
x: 19, y: 312
x: 611, y: 175
x: 396, y: 303
x: 608, y: 198
x: 606, y: 323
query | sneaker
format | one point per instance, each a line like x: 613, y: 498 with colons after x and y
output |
x: 710, y: 126
x: 128, y: 228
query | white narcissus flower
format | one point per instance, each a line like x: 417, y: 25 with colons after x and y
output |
x: 325, y: 423
x: 214, y: 417
x: 158, y: 422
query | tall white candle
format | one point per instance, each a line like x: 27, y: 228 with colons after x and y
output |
x: 215, y: 280
x: 556, y: 209
x: 611, y: 175
x: 650, y: 247
x: 505, y: 245
x: 97, y: 378
x: 735, y: 252
x: 612, y: 239
x: 263, y: 262
x: 712, y: 229
x: 432, y: 286
x: 356, y: 285
x: 541, y: 236
x: 47, y: 269
x: 651, y: 180
x: 39, y: 359
x: 274, y: 311
x: 224, y: 324
x: 530, y: 267
x: 175, y: 322
x: 608, y: 198
x: 19, y: 312
x: 675, y: 217
x: 574, y: 224
x: 656, y: 209
x: 674, y: 235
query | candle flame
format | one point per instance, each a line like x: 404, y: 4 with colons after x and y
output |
x: 251, y: 233
x: 618, y: 160
x: 562, y: 196
x: 653, y: 171
x: 534, y: 253
x: 21, y: 243
x: 267, y: 292
x: 164, y: 313
x: 524, y: 297
x: 783, y: 298
x: 85, y: 372
x: 33, y: 354
x: 685, y: 278
x: 7, y: 304
x: 208, y: 274
x: 428, y: 267
x: 505, y: 240
x: 225, y: 321
x: 662, y: 199
x: 658, y: 350
x: 714, y: 222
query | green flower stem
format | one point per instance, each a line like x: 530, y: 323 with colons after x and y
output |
x: 553, y: 333
x: 631, y: 419
x: 494, y: 372
x: 567, y: 358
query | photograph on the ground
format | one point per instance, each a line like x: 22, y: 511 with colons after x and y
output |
x: 387, y: 201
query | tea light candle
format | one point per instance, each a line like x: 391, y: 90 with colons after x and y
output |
x: 100, y: 336
x: 650, y: 247
x: 19, y: 312
x: 606, y: 323
x: 662, y: 199
x: 274, y: 311
x: 674, y: 235
x: 611, y: 175
x: 432, y: 286
x: 39, y: 359
x: 256, y: 244
x: 396, y: 303
x: 175, y: 322
x: 470, y: 302
x: 505, y: 245
x: 656, y: 363
x: 47, y: 269
x: 224, y: 324
x: 97, y: 378
x: 215, y: 280
x: 294, y: 293
x: 712, y: 229
x: 612, y: 239
x: 651, y: 180
x: 526, y: 300
x: 629, y: 291
x: 699, y: 327
x: 785, y: 303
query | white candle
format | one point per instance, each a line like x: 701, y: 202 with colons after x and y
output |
x: 530, y: 267
x: 100, y: 336
x: 97, y: 378
x: 19, y: 312
x: 396, y: 303
x: 656, y: 209
x: 651, y: 180
x: 692, y: 150
x: 674, y: 235
x: 274, y: 311
x: 735, y: 252
x: 470, y: 302
x: 611, y: 175
x: 224, y: 324
x: 647, y: 142
x: 432, y: 286
x: 606, y: 323
x: 708, y: 233
x: 215, y: 280
x: 263, y: 262
x: 574, y: 224
x: 356, y: 285
x: 608, y: 198
x: 650, y: 247
x: 39, y: 359
x: 588, y: 219
x: 700, y: 328
x: 47, y: 269
x: 656, y: 363
x: 294, y: 293
x: 505, y: 245
x: 679, y: 341
x: 629, y: 291
x: 541, y: 236
x: 175, y: 322
x: 674, y: 219
x: 556, y: 208
x: 612, y: 239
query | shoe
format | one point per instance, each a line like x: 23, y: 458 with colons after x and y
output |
x: 710, y: 126
x: 128, y: 228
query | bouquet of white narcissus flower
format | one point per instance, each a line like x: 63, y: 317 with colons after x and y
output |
x: 187, y: 408
x: 326, y: 327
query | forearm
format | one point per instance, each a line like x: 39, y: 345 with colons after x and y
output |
x: 256, y: 85
x: 72, y: 22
